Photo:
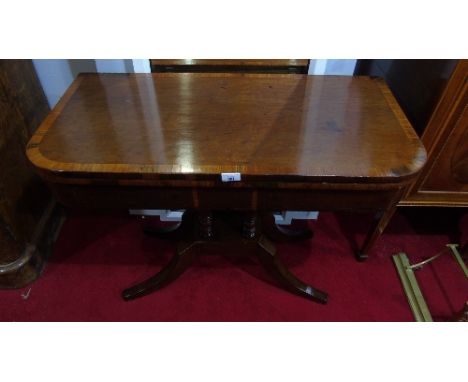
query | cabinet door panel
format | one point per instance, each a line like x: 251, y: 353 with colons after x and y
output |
x: 450, y: 169
x: 460, y: 158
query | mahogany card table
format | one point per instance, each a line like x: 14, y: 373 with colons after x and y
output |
x: 229, y: 149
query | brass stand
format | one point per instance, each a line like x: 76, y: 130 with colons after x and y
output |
x: 410, y: 284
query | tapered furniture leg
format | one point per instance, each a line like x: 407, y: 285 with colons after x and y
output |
x: 176, y: 266
x: 283, y: 234
x: 274, y: 266
x: 380, y: 222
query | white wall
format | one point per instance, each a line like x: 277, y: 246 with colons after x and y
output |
x: 114, y: 66
x: 332, y: 67
x: 57, y: 75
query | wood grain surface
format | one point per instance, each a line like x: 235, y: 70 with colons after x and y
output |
x: 195, y: 126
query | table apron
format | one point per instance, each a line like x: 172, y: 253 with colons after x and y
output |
x: 111, y: 197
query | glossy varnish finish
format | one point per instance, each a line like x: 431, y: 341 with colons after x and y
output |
x: 192, y: 127
x: 416, y: 84
x: 163, y: 140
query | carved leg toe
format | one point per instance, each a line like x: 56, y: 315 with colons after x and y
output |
x: 176, y: 266
x: 275, y: 267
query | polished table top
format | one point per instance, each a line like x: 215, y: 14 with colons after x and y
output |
x: 160, y: 141
x: 318, y: 128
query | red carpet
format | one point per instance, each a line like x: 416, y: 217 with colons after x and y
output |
x: 96, y: 256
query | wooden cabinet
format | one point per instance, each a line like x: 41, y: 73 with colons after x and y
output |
x: 444, y: 180
x: 433, y: 94
x: 25, y: 201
